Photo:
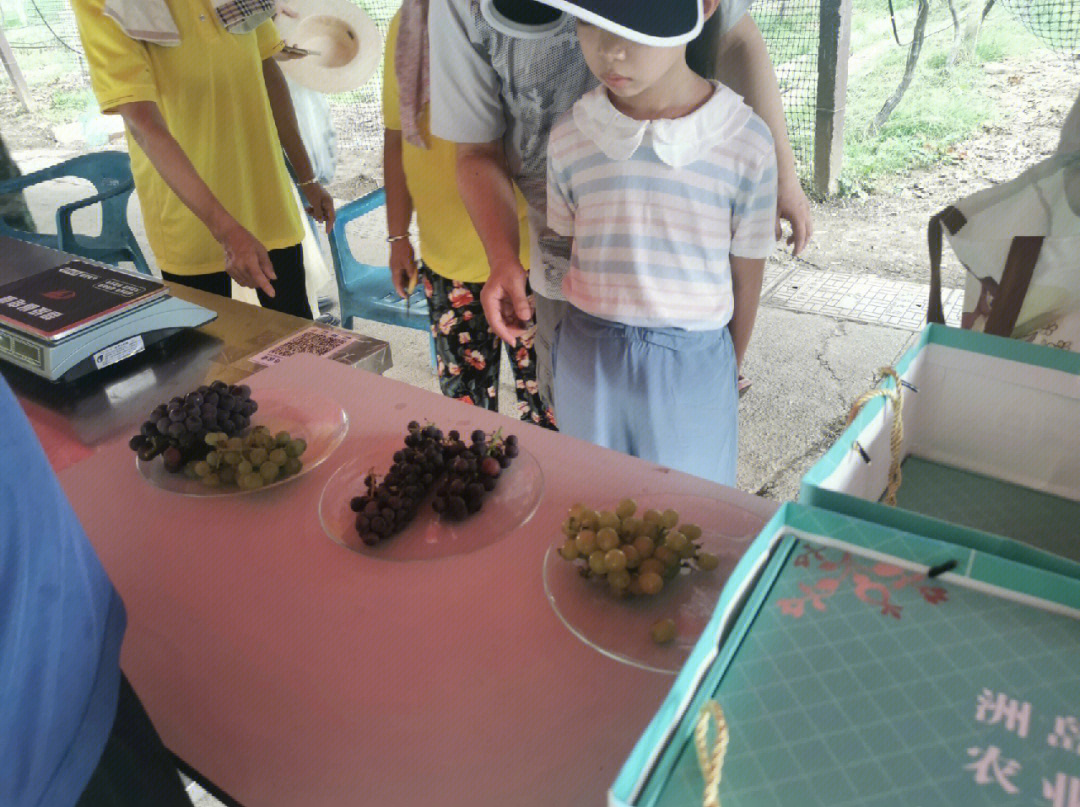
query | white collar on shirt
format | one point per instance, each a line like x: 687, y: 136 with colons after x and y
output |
x: 677, y: 141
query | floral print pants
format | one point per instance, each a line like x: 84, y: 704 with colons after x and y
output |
x: 467, y: 350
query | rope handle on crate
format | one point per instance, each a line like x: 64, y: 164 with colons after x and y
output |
x: 896, y: 439
x: 711, y: 760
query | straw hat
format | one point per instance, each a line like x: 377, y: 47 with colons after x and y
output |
x: 345, y: 44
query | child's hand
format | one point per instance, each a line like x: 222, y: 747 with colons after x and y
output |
x: 506, y: 303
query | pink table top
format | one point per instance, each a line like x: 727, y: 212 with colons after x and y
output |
x: 290, y: 670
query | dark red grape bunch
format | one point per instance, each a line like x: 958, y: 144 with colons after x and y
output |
x: 461, y: 475
x: 177, y: 430
x: 472, y: 472
x: 390, y: 504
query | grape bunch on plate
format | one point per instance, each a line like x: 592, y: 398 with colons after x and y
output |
x: 461, y: 474
x: 636, y: 556
x: 177, y: 430
x: 256, y: 459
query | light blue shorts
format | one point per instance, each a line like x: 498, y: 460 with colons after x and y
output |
x: 663, y: 394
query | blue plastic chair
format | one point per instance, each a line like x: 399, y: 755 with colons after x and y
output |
x: 366, y: 291
x: 110, y: 174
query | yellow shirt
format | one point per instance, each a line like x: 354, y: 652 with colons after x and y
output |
x: 211, y: 93
x: 449, y: 244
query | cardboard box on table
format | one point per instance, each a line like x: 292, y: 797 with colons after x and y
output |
x: 991, y: 449
x: 849, y: 677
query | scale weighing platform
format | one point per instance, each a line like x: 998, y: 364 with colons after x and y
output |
x: 62, y: 317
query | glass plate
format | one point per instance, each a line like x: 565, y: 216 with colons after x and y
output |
x: 319, y: 421
x: 427, y: 537
x: 621, y: 628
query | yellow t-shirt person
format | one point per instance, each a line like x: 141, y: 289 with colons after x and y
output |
x: 211, y: 93
x: 449, y: 244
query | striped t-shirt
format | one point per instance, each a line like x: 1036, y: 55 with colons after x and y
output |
x: 656, y: 208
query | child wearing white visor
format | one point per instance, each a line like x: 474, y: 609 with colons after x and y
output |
x: 667, y: 184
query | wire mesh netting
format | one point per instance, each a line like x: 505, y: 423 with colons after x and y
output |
x: 1055, y: 22
x: 46, y: 30
x: 358, y: 120
x: 791, y: 29
x: 40, y: 25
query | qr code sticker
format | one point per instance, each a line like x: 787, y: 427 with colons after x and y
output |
x: 317, y: 341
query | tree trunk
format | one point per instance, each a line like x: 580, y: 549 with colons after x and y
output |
x: 958, y: 36
x: 909, y: 70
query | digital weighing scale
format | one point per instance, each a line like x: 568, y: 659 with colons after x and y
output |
x: 62, y: 317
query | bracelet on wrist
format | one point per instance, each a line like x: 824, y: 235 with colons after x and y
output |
x: 394, y: 238
x: 311, y: 181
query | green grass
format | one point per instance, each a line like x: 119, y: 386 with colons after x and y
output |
x: 941, y: 106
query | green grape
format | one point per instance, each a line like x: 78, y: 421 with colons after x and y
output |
x: 269, y: 471
x: 227, y: 473
x: 669, y: 519
x: 282, y: 438
x: 597, y: 562
x: 213, y: 459
x: 244, y: 467
x: 293, y: 465
x: 212, y: 439
x: 586, y: 542
x: 618, y: 579
x: 568, y: 528
x: 626, y: 508
x: 651, y: 565
x: 258, y: 455
x: 677, y: 542
x: 651, y: 516
x: 607, y: 539
x: 666, y: 556
x: 211, y: 480
x: 189, y: 470
x: 569, y: 550
x: 202, y: 469
x: 651, y: 583
x: 707, y: 561
x: 231, y: 457
x: 278, y: 456
x: 633, y: 557
x: 631, y: 528
x: 234, y: 444
x: 294, y: 448
x: 615, y: 559
x: 590, y: 520
x: 691, y: 531
x: 653, y: 529
x: 608, y: 519
x: 645, y: 546
x: 663, y: 631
